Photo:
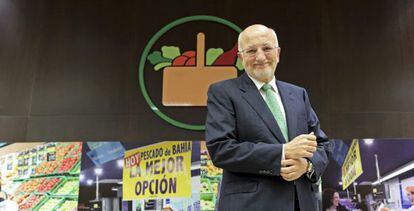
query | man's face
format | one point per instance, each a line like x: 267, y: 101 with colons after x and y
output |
x: 259, y: 54
x: 410, y: 196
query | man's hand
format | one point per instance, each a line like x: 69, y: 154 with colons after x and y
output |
x: 293, y: 168
x: 302, y: 146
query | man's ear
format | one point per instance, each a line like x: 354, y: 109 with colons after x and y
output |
x: 240, y: 56
x: 278, y: 50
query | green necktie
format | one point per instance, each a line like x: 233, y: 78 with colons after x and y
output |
x: 275, y: 109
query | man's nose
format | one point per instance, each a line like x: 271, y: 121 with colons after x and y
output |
x: 260, y: 55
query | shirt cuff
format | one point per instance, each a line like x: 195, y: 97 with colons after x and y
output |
x: 283, y: 152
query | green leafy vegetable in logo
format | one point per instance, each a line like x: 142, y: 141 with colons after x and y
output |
x: 212, y: 54
x: 155, y: 57
x: 162, y: 65
x: 170, y: 52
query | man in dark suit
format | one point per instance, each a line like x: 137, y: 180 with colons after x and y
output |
x: 264, y: 133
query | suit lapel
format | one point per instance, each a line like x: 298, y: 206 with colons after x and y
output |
x: 290, y: 108
x: 254, y: 98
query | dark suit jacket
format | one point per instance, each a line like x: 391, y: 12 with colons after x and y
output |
x: 244, y: 139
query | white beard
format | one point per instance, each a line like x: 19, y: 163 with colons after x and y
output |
x: 263, y: 75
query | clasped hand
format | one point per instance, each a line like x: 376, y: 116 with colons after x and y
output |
x: 296, y: 151
x: 302, y: 146
x: 293, y: 168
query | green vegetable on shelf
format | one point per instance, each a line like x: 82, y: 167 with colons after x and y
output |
x: 68, y: 205
x: 207, y: 205
x: 50, y: 204
x: 67, y: 188
x: 170, y: 52
x: 212, y: 54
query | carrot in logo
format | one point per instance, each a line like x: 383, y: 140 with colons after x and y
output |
x: 187, y: 76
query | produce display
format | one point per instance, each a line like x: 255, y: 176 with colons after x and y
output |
x: 68, y: 205
x: 45, y: 177
x: 205, y: 186
x: 207, y: 205
x: 211, y: 170
x: 48, y: 184
x: 31, y: 202
x: 76, y: 169
x: 210, y: 179
x: 50, y: 204
x: 67, y: 164
x: 19, y: 197
x: 31, y: 185
x: 47, y: 167
x: 70, y: 187
x: 68, y: 150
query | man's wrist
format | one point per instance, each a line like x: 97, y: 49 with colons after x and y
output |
x: 309, y: 169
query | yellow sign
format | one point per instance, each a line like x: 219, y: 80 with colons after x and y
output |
x: 160, y: 170
x: 352, y: 167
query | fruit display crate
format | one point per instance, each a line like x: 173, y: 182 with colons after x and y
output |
x: 207, y: 201
x: 47, y: 166
x: 76, y: 168
x: 67, y: 205
x: 68, y: 170
x: 35, y: 185
x: 47, y: 182
x: 48, y: 203
x: 32, y: 201
x: 73, y: 170
x: 72, y: 192
x: 30, y: 185
x: 207, y: 194
x: 67, y: 156
x: 205, y: 185
x: 19, y: 197
x: 56, y: 202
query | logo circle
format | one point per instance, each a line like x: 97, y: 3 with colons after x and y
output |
x: 146, y: 51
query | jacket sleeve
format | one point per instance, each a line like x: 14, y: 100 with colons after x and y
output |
x: 320, y: 158
x: 227, y: 151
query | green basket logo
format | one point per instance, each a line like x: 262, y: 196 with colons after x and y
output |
x: 186, y: 75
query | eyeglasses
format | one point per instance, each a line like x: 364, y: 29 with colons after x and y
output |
x: 252, y: 52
